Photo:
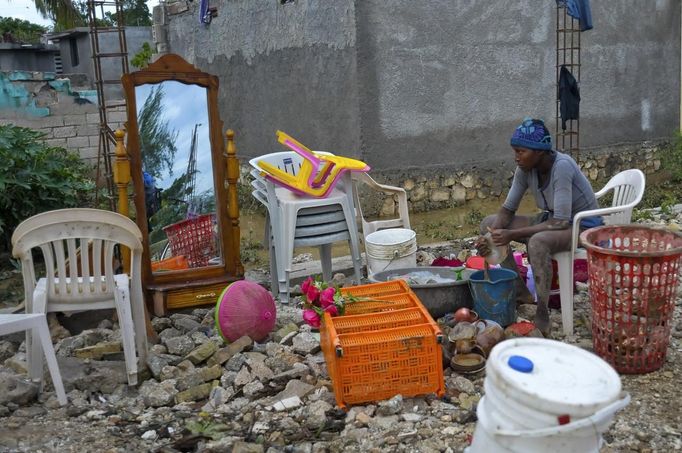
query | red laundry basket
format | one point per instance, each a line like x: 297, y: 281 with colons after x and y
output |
x: 194, y: 239
x: 633, y: 273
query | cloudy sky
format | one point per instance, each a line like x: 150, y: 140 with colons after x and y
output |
x: 183, y: 107
x: 25, y: 9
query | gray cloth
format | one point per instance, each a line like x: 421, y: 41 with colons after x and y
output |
x: 566, y: 193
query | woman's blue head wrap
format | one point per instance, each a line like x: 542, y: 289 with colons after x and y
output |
x: 532, y: 134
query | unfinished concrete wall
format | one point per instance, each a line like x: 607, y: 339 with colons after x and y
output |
x: 290, y: 67
x: 445, y: 82
x: 422, y: 89
x: 43, y: 102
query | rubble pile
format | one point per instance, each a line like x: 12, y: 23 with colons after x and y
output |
x: 201, y: 394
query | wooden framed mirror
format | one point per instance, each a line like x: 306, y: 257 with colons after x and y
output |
x: 184, y: 182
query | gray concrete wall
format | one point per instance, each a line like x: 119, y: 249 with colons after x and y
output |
x: 290, y: 67
x: 111, y: 66
x: 443, y: 83
x: 13, y: 57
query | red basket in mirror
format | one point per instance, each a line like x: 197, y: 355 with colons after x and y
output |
x: 194, y: 238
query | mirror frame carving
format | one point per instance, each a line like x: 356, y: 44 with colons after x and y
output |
x: 171, y: 67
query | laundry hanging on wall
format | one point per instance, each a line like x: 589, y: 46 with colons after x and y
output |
x: 569, y: 97
x: 579, y: 9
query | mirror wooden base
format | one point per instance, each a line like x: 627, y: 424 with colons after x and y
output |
x: 176, y: 296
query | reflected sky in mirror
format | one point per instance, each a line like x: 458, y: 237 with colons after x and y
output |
x: 181, y: 108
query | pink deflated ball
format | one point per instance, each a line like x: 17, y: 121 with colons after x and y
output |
x: 245, y: 308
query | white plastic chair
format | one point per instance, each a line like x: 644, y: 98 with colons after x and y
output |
x: 301, y: 221
x: 37, y: 324
x: 85, y: 280
x: 628, y: 189
x: 403, y: 220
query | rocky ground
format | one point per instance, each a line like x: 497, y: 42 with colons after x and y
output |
x: 201, y: 394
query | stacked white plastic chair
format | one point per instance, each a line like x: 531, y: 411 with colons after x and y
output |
x: 301, y: 221
x: 628, y: 189
x: 78, y: 249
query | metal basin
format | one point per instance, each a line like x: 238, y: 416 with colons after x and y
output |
x: 438, y: 298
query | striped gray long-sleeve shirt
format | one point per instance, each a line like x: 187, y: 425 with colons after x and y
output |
x: 566, y: 192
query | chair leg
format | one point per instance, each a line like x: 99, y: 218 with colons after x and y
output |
x: 42, y: 334
x: 353, y: 241
x: 565, y: 264
x: 34, y: 353
x: 326, y: 260
x: 270, y: 244
x: 125, y: 320
x: 286, y: 252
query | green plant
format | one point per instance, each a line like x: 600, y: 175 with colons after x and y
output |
x: 20, y: 31
x: 474, y: 217
x: 143, y: 57
x: 641, y: 215
x: 35, y: 177
x: 204, y: 426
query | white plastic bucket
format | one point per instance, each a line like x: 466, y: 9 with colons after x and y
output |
x: 543, y: 395
x: 394, y: 248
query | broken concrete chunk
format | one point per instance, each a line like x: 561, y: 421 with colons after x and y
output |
x: 202, y: 353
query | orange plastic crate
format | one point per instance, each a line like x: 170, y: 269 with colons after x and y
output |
x: 378, y: 350
x: 171, y: 264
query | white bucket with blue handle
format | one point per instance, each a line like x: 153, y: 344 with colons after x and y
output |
x: 545, y: 396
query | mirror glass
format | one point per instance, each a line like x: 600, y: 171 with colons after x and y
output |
x: 180, y: 203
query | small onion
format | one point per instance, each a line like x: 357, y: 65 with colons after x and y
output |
x: 463, y: 314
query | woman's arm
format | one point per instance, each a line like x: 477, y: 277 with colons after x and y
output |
x: 503, y: 236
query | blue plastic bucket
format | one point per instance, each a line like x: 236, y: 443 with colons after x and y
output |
x: 495, y: 299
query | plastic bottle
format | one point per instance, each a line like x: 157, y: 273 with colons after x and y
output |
x: 530, y: 283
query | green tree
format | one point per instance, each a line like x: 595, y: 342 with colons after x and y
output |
x: 157, y: 140
x: 64, y: 13
x: 20, y: 31
x: 135, y: 13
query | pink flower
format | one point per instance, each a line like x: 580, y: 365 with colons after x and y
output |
x: 312, y: 293
x: 307, y: 284
x: 327, y: 297
x: 333, y: 310
x: 311, y: 317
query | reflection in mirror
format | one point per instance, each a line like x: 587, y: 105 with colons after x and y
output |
x: 179, y: 196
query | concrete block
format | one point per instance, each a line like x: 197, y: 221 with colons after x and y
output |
x: 92, y: 118
x: 87, y: 130
x: 89, y: 153
x: 77, y: 142
x: 64, y: 131
x: 70, y: 120
x: 52, y: 121
x: 94, y: 140
x: 117, y: 117
x: 61, y: 142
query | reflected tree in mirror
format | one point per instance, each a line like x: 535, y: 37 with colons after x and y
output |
x: 177, y: 171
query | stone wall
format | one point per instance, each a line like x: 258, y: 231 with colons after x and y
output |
x: 40, y: 101
x: 442, y: 188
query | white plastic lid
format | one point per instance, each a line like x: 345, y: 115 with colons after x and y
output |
x: 552, y: 377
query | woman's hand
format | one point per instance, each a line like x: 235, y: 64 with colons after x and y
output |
x: 501, y: 237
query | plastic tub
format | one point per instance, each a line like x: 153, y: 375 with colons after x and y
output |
x: 438, y: 298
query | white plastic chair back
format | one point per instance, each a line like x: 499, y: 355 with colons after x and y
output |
x: 628, y: 188
x: 368, y: 227
x: 74, y: 277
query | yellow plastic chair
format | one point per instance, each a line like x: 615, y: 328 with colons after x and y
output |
x: 318, y: 173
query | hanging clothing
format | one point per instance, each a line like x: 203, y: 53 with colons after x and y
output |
x: 569, y: 97
x: 579, y: 9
